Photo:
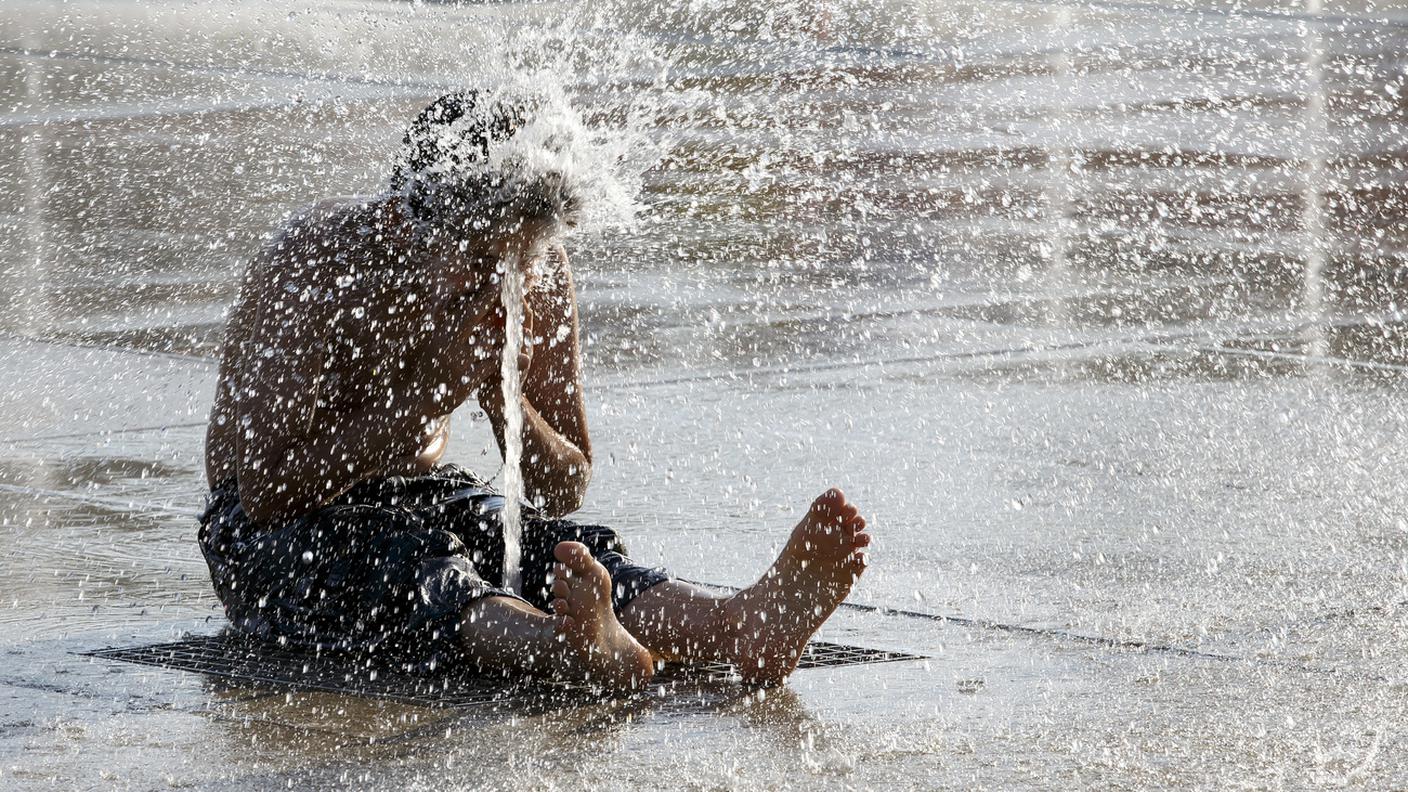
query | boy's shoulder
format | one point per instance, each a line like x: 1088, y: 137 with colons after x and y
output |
x: 329, y: 218
x: 330, y: 237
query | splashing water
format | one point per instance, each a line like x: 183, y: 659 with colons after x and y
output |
x: 1034, y: 267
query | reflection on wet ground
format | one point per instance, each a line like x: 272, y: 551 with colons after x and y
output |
x: 1096, y: 309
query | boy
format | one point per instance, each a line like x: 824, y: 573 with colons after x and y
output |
x: 331, y: 521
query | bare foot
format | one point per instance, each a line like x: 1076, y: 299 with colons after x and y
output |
x: 595, y: 640
x: 771, y: 621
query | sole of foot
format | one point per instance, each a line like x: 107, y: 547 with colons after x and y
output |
x: 771, y: 621
x: 598, y: 647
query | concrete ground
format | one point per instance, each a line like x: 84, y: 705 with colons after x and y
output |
x: 1094, y: 311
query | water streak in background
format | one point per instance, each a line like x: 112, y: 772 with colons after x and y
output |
x: 1061, y: 164
x: 1316, y: 185
x: 30, y: 311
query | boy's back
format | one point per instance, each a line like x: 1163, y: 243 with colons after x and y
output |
x: 336, y: 328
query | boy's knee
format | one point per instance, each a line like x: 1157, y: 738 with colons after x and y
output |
x: 598, y: 538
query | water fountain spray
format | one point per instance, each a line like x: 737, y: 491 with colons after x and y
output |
x: 512, y: 292
x: 545, y: 174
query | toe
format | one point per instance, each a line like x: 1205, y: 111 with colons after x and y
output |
x: 862, y: 540
x: 828, y: 502
x: 562, y: 551
x: 572, y: 554
x: 560, y: 589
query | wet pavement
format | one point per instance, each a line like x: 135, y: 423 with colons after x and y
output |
x: 1094, y: 309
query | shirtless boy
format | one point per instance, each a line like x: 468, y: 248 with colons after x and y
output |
x: 331, y: 521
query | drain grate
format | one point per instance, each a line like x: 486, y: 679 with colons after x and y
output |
x: 818, y: 654
x: 239, y: 659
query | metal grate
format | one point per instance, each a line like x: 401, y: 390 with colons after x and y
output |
x: 818, y: 654
x: 240, y: 659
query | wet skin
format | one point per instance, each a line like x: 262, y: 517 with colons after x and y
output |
x: 356, y: 335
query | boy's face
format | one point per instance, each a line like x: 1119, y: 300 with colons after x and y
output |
x: 484, y: 248
x: 519, y: 237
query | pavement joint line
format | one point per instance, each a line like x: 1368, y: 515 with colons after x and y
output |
x: 130, y: 113
x: 102, y: 432
x: 242, y: 71
x: 1371, y: 365
x: 1118, y: 644
x: 1145, y: 342
x: 42, y: 492
x: 807, y: 368
x: 428, y: 86
x: 72, y: 343
x: 176, y: 109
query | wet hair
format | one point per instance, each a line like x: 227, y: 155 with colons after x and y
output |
x: 436, y: 172
x: 454, y: 131
x: 426, y: 145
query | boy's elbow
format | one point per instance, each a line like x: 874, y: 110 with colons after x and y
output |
x: 580, y: 481
x: 563, y: 502
x: 569, y: 496
x: 256, y: 503
x: 264, y: 499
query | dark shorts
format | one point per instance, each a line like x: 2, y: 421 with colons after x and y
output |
x: 390, y: 566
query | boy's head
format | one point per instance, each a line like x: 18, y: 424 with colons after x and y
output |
x: 453, y: 174
x: 453, y: 131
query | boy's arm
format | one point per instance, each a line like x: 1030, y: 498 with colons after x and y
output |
x: 556, y: 445
x: 553, y: 382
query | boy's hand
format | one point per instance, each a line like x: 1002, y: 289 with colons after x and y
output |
x: 466, y: 340
x: 492, y: 387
